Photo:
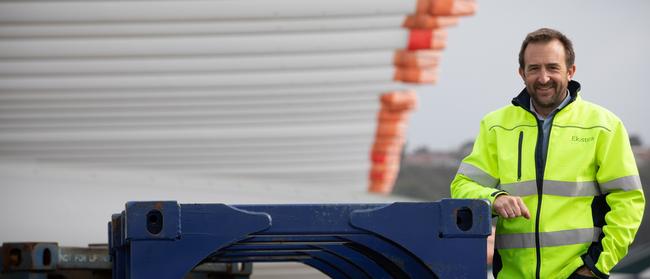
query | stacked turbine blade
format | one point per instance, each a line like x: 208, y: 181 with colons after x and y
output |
x: 416, y: 63
x: 389, y: 138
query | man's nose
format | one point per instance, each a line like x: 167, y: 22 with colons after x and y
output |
x: 543, y: 77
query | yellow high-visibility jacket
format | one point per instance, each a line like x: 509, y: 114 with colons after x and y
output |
x: 586, y: 201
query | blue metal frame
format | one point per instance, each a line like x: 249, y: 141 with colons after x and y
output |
x: 444, y: 239
x: 42, y: 260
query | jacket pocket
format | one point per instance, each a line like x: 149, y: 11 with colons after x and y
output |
x: 521, y: 141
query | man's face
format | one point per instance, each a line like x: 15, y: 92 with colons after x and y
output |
x: 545, y: 74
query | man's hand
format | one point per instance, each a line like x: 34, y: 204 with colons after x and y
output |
x: 510, y: 207
x: 584, y: 271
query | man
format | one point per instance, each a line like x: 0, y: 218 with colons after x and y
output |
x: 558, y: 170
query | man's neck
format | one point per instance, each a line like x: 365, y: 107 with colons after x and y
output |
x: 544, y: 112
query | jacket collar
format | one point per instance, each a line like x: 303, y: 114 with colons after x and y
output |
x: 523, y: 99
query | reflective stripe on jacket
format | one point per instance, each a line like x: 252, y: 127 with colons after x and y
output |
x: 586, y: 202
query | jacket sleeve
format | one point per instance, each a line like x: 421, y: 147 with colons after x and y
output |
x: 619, y: 182
x: 477, y: 175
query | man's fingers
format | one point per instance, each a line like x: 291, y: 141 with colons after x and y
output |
x: 515, y: 207
x: 506, y: 212
x: 511, y: 207
x: 524, y: 209
x: 503, y: 212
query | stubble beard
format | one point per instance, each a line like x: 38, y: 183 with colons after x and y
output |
x: 548, y: 103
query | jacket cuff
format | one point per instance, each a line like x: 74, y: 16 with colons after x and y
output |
x: 498, y: 193
x: 591, y: 264
x: 493, y: 197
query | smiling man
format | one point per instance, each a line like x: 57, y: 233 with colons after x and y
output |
x: 558, y: 170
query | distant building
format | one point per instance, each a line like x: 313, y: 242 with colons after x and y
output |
x: 641, y: 154
x: 425, y: 157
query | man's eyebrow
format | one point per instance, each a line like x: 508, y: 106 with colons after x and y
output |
x: 545, y: 64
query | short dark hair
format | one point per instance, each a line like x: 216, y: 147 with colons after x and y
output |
x: 545, y: 35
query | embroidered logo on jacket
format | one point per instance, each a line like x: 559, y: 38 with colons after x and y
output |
x: 582, y: 139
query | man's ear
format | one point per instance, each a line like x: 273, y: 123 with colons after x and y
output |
x: 571, y: 71
x: 521, y: 74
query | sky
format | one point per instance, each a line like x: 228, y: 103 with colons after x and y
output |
x: 478, y: 72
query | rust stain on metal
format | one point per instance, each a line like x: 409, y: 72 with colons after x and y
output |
x: 158, y: 205
x: 29, y: 246
x: 13, y: 253
x: 14, y: 258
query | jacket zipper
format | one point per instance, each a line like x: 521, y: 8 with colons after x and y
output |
x: 540, y: 186
x: 521, y: 141
x: 539, y: 172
